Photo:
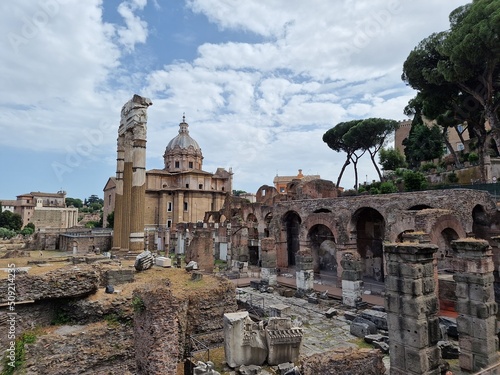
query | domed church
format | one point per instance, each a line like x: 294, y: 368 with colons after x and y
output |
x: 180, y: 192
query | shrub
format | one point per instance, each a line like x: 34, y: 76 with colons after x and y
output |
x: 414, y: 181
x: 452, y: 178
x: 138, y: 304
x: 473, y: 158
x: 426, y: 167
x: 388, y: 187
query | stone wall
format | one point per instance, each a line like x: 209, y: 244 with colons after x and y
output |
x: 344, y: 361
x: 99, y: 348
x: 85, y: 243
x: 200, y: 250
x: 62, y: 283
x: 117, y: 277
x: 163, y: 321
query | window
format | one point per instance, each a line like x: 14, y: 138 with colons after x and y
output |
x: 176, y: 164
x: 460, y: 128
x: 282, y: 189
x: 185, y: 206
x: 460, y: 146
x: 200, y: 186
x: 169, y: 223
x: 190, y: 164
x: 169, y: 206
x: 187, y: 186
x: 109, y: 199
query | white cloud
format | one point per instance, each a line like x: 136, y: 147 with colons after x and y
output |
x: 137, y: 29
x: 258, y: 99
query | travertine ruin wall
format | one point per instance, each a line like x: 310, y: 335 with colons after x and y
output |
x: 344, y: 361
x: 200, y: 250
x: 164, y: 319
x: 97, y: 348
x: 391, y: 206
x: 62, y: 283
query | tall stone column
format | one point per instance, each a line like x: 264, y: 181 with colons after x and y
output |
x: 133, y: 129
x: 127, y: 191
x: 412, y: 309
x: 304, y: 274
x: 179, y: 208
x: 352, y: 279
x: 268, y: 260
x: 476, y: 304
x: 118, y: 214
x: 138, y: 190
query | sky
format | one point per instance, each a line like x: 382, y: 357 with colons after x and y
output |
x: 259, y: 82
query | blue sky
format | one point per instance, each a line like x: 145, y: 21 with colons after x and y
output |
x: 259, y: 81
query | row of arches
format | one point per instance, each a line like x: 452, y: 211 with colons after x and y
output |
x: 368, y: 231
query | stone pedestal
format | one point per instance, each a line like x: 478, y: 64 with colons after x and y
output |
x: 269, y: 276
x: 412, y: 309
x: 476, y: 304
x: 304, y: 274
x: 268, y: 261
x: 283, y: 341
x: 352, y: 284
x: 244, y: 340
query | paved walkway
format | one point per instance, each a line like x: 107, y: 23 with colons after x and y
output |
x: 332, y: 291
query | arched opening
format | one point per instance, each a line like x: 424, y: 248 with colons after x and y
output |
x: 445, y: 252
x: 370, y: 229
x: 480, y: 222
x: 267, y: 221
x: 323, y: 248
x: 253, y: 240
x: 292, y: 223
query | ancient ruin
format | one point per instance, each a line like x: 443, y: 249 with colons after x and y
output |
x: 293, y: 282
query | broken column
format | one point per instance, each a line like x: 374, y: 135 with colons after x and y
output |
x: 200, y: 249
x: 412, y: 309
x: 352, y: 280
x: 244, y: 340
x: 118, y: 215
x: 131, y: 175
x: 283, y: 340
x: 476, y: 306
x: 304, y: 275
x: 268, y: 261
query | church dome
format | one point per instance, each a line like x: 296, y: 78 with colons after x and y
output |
x: 183, y: 152
x: 183, y: 140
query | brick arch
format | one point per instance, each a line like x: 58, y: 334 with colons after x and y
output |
x: 445, y: 222
x: 321, y: 218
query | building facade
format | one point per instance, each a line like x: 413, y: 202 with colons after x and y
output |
x: 44, y: 210
x: 181, y: 192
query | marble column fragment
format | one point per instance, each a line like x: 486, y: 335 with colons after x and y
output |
x: 352, y: 279
x: 268, y: 261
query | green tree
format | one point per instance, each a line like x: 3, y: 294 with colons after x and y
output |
x: 423, y: 143
x: 75, y: 202
x: 472, y: 52
x: 111, y: 219
x: 95, y: 207
x: 31, y: 225
x: 94, y: 199
x: 336, y: 139
x: 457, y: 73
x: 391, y: 159
x: 414, y: 181
x: 11, y: 220
x: 370, y: 135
